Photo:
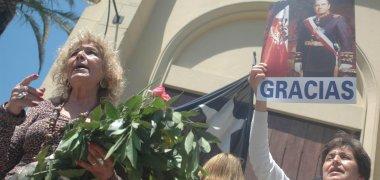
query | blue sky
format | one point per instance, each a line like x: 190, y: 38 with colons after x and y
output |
x: 19, y: 54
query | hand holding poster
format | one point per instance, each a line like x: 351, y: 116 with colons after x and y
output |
x: 310, y: 44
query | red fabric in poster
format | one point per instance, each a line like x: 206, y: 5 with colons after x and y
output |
x: 275, y: 53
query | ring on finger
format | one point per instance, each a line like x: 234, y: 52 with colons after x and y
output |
x: 21, y: 95
x: 100, y: 161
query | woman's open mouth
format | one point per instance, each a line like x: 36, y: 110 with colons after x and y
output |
x: 80, y: 68
x: 336, y: 170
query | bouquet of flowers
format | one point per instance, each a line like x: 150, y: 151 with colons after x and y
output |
x: 144, y: 136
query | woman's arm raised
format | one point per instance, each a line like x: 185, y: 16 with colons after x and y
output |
x: 264, y: 166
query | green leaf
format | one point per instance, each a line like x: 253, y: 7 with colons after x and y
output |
x: 70, y: 173
x: 135, y: 125
x: 74, y: 145
x: 115, y: 146
x: 134, y: 103
x: 158, y: 103
x: 41, y: 159
x: 136, y: 141
x: 116, y: 125
x: 132, y: 154
x: 96, y: 114
x: 118, y: 132
x: 154, y: 126
x: 65, y: 145
x: 177, y: 117
x: 145, y: 124
x: 198, y: 124
x: 168, y: 124
x: 208, y: 136
x: 188, y: 114
x: 167, y: 140
x: 42, y: 154
x: 178, y: 160
x: 195, y: 163
x: 149, y: 110
x: 205, y: 145
x: 83, y: 151
x: 123, y: 153
x: 92, y: 125
x: 180, y: 126
x: 37, y: 175
x: 111, y: 110
x: 134, y: 175
x: 189, y: 142
x: 49, y: 175
x: 69, y: 133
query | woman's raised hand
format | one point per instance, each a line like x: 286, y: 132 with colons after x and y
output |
x: 24, y: 96
x: 257, y: 74
x: 101, y: 168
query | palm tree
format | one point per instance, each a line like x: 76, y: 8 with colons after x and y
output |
x: 35, y: 11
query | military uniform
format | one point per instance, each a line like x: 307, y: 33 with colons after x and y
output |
x: 322, y: 42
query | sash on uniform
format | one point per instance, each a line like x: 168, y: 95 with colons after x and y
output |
x: 314, y: 30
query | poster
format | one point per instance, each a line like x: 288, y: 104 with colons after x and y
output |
x: 309, y: 48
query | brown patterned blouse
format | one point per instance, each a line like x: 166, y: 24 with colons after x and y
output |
x: 22, y: 136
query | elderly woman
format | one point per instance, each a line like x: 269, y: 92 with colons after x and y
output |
x: 343, y: 158
x: 88, y: 69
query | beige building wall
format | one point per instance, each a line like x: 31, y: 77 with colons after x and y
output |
x: 201, y: 45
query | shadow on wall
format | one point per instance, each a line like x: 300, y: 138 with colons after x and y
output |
x: 235, y: 35
x: 140, y: 64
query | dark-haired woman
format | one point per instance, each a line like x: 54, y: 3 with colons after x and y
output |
x: 343, y: 158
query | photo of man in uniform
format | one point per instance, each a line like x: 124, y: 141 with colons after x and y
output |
x: 325, y: 44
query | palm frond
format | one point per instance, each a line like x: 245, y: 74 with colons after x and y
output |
x: 65, y: 14
x: 63, y: 23
x: 41, y: 7
x: 7, y: 12
x: 46, y: 25
x: 65, y: 20
x: 32, y: 6
x: 71, y: 3
x: 57, y: 3
x: 39, y: 38
x: 46, y: 10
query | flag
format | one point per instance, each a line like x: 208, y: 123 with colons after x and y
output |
x: 228, y: 112
x: 275, y: 49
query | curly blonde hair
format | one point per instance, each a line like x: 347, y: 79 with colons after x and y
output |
x: 223, y: 166
x: 112, y: 84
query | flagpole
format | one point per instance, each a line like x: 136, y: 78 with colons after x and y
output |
x: 253, y: 64
x: 254, y: 58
